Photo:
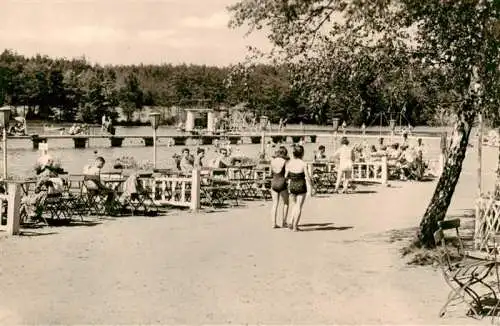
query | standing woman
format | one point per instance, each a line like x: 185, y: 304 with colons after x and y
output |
x: 300, y: 184
x: 279, y: 186
x: 346, y: 159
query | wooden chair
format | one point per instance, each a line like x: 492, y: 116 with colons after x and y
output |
x: 141, y: 200
x: 466, y: 276
x: 99, y: 199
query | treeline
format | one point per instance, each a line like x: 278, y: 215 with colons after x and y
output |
x: 75, y: 90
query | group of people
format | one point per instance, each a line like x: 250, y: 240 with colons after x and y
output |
x: 407, y: 159
x: 185, y: 162
x: 77, y: 129
x: 291, y: 184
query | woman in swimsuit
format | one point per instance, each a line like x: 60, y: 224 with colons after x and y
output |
x: 279, y: 187
x: 300, y: 184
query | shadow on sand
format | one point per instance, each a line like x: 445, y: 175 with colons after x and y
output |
x: 364, y: 192
x: 323, y: 227
x: 29, y: 233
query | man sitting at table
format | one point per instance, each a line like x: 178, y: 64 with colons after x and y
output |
x: 223, y: 160
x: 92, y: 174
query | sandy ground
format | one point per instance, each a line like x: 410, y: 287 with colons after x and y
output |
x: 231, y: 267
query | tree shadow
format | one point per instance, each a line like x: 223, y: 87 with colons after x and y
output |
x: 323, y: 227
x: 29, y: 234
x: 323, y: 195
x: 364, y: 192
x: 82, y: 223
x: 213, y: 210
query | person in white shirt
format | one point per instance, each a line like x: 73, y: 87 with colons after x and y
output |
x: 320, y: 154
x: 94, y: 170
x: 104, y: 123
x: 346, y: 160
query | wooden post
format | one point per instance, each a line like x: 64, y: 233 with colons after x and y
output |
x: 154, y: 147
x: 5, y: 152
x: 385, y: 176
x: 13, y: 206
x: 479, y: 155
x: 195, y: 191
x: 263, y: 143
x: 477, y: 217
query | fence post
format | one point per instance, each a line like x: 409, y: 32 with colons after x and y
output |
x: 13, y: 206
x: 477, y: 218
x: 195, y: 190
x: 384, y: 170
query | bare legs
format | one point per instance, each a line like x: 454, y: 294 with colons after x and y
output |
x: 296, y: 201
x: 279, y: 198
x: 342, y: 176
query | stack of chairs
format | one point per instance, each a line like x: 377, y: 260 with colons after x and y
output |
x: 216, y: 190
x: 323, y: 177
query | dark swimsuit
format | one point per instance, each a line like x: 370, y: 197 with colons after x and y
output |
x: 297, y: 183
x: 278, y: 183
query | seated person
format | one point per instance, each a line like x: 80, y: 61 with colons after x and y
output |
x: 187, y: 161
x: 92, y: 173
x: 177, y: 161
x: 93, y: 182
x: 409, y: 164
x: 320, y: 154
x: 381, y: 143
x: 394, y: 152
x: 200, y: 155
x: 223, y: 160
x: 372, y: 153
x: 17, y: 129
x: 75, y: 129
x: 48, y: 183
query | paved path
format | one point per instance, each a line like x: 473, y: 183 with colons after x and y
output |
x: 229, y: 267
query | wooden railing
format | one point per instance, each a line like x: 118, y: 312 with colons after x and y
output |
x: 10, y: 204
x: 487, y: 221
x: 175, y: 190
x: 372, y: 171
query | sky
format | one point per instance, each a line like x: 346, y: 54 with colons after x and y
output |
x: 125, y: 31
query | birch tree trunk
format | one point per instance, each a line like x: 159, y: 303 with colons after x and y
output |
x: 497, y: 183
x: 436, y: 211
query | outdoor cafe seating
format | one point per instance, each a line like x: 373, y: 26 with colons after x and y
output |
x: 473, y: 275
x: 324, y: 176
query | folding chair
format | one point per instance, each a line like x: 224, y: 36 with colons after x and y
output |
x: 140, y: 200
x: 467, y: 277
x: 99, y: 199
x: 73, y: 196
x: 215, y: 193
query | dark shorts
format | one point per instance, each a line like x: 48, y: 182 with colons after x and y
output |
x: 298, y: 187
x: 278, y: 184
